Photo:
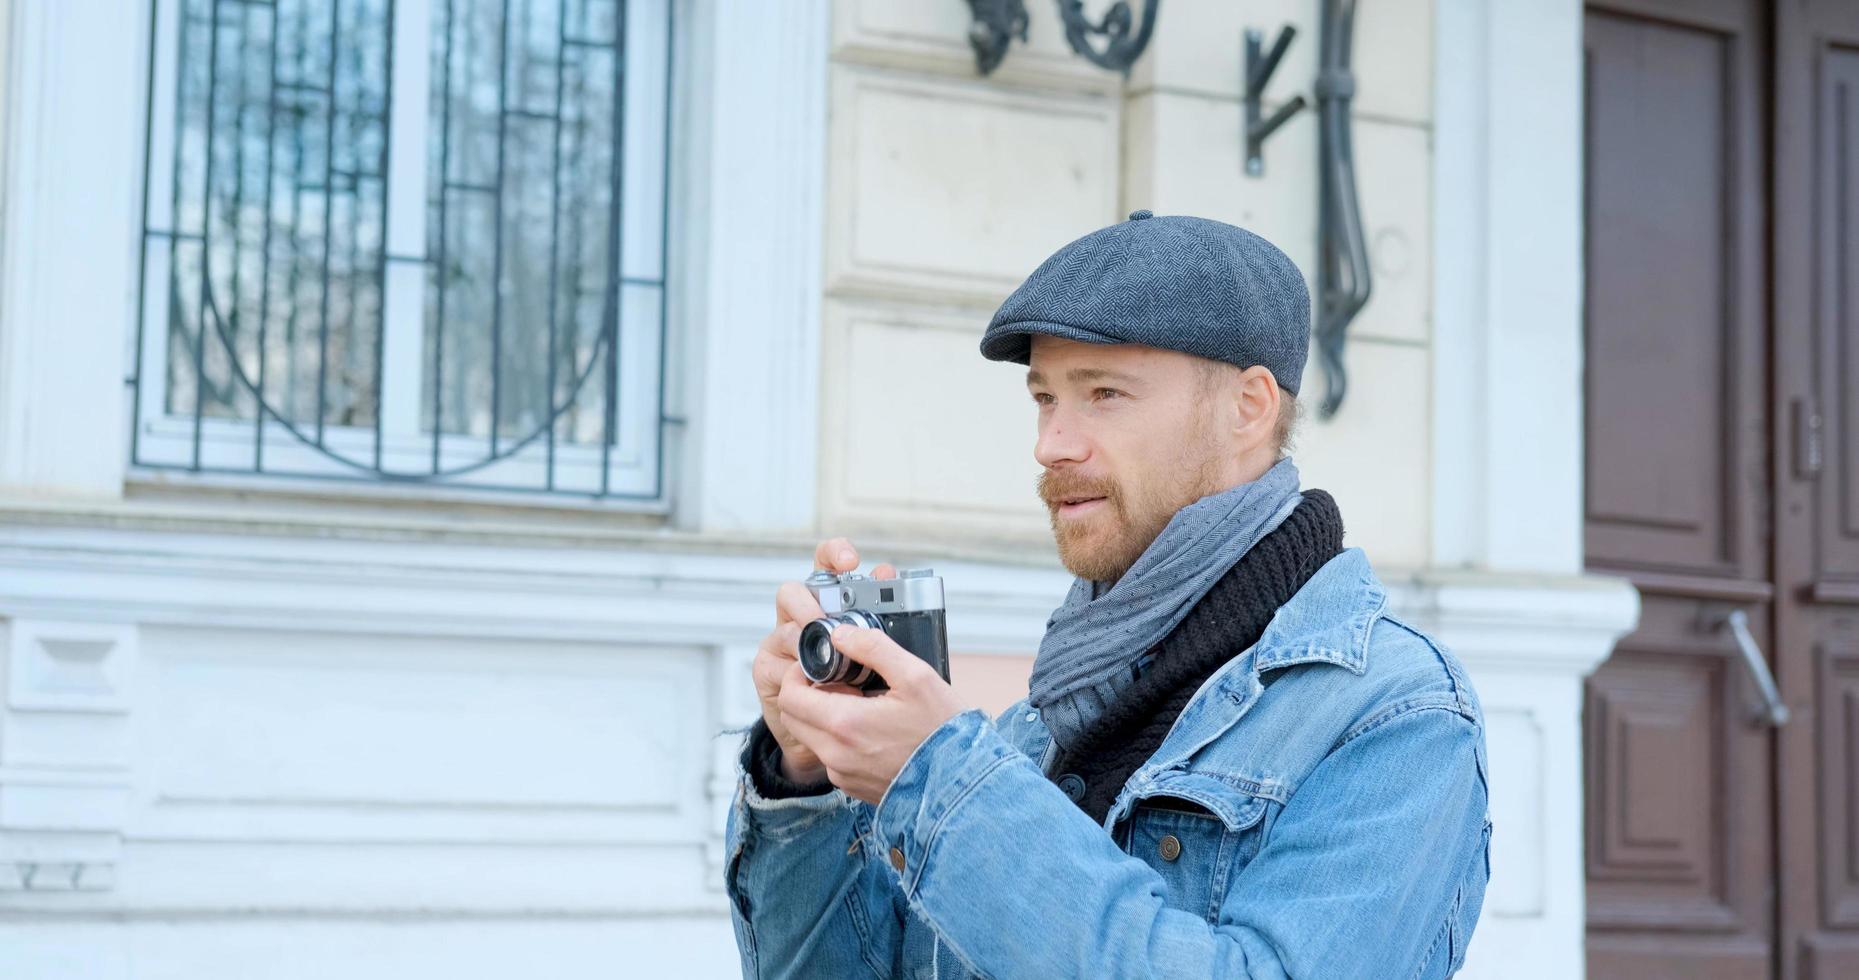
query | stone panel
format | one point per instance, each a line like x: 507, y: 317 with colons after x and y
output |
x: 288, y: 735
x: 919, y: 432
x: 1374, y: 456
x: 954, y: 191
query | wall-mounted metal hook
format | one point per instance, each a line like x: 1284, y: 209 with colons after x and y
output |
x: 1259, y: 69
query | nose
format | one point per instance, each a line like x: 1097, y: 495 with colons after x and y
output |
x: 1060, y: 441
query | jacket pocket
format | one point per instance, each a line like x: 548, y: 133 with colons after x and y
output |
x: 1196, y: 831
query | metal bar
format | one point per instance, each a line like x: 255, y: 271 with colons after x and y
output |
x: 458, y: 185
x: 178, y: 236
x: 412, y: 478
x: 445, y: 171
x: 329, y: 161
x: 615, y: 258
x: 238, y: 175
x: 664, y: 243
x: 583, y: 42
x: 503, y: 115
x: 1774, y: 711
x: 380, y: 327
x: 206, y: 225
x: 555, y: 222
x: 1260, y: 71
x: 296, y: 223
x: 264, y: 287
x: 148, y: 155
x: 352, y: 270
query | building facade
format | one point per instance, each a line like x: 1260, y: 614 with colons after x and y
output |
x: 407, y: 411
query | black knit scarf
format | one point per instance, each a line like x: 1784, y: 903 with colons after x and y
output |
x: 1225, y: 622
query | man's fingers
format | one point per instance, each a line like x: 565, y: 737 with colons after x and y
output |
x: 874, y: 649
x: 773, y: 658
x: 835, y: 555
x: 811, y: 707
x: 794, y: 604
x: 813, y: 737
x: 884, y: 570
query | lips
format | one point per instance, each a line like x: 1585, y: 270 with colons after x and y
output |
x: 1072, y: 494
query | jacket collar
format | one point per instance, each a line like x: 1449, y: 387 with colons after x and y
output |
x: 1328, y: 620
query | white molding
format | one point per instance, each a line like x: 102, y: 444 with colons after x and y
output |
x: 1554, y: 628
x: 760, y: 85
x: 403, y: 587
x: 1508, y: 286
x: 65, y: 769
x: 74, y: 92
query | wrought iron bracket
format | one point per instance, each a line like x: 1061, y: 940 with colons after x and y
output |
x: 995, y: 23
x: 1259, y: 70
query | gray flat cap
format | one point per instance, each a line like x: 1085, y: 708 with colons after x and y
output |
x: 1188, y: 284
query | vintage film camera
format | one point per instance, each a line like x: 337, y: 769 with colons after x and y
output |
x: 907, y: 608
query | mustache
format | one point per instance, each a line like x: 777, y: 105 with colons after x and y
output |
x: 1054, y: 487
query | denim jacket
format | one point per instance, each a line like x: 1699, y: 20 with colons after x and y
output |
x: 1318, y: 810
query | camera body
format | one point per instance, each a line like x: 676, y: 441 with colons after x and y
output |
x: 907, y: 608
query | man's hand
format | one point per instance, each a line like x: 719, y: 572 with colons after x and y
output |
x: 779, y: 651
x: 864, y: 741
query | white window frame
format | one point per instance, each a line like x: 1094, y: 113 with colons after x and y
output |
x: 637, y: 474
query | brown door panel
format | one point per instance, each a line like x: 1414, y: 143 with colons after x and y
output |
x: 1676, y: 440
x: 1816, y: 483
x: 1836, y: 320
x: 1678, y: 861
x: 1679, y: 774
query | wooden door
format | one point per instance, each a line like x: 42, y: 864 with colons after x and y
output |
x: 1680, y: 851
x: 1816, y: 432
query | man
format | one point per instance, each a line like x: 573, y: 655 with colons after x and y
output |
x: 1233, y: 762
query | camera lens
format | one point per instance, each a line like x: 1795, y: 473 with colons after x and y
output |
x: 820, y: 661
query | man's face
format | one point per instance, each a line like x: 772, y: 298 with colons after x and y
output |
x: 1128, y: 435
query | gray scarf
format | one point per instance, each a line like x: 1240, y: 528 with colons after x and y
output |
x: 1096, y: 635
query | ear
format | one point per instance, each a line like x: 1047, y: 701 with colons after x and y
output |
x: 1255, y: 395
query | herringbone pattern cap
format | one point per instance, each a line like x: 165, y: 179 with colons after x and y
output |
x: 1182, y: 283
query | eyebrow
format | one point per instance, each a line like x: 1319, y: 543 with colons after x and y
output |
x: 1084, y: 375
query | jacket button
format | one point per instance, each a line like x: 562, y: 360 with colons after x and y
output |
x: 897, y: 858
x: 1170, y: 848
x: 1072, y: 785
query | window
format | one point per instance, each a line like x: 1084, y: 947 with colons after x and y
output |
x: 407, y: 240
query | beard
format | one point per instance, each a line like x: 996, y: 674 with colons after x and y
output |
x: 1102, y: 545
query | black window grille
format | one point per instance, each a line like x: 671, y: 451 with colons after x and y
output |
x: 408, y: 240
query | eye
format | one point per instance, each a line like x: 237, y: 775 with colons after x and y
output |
x: 1102, y: 393
x: 1043, y: 398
